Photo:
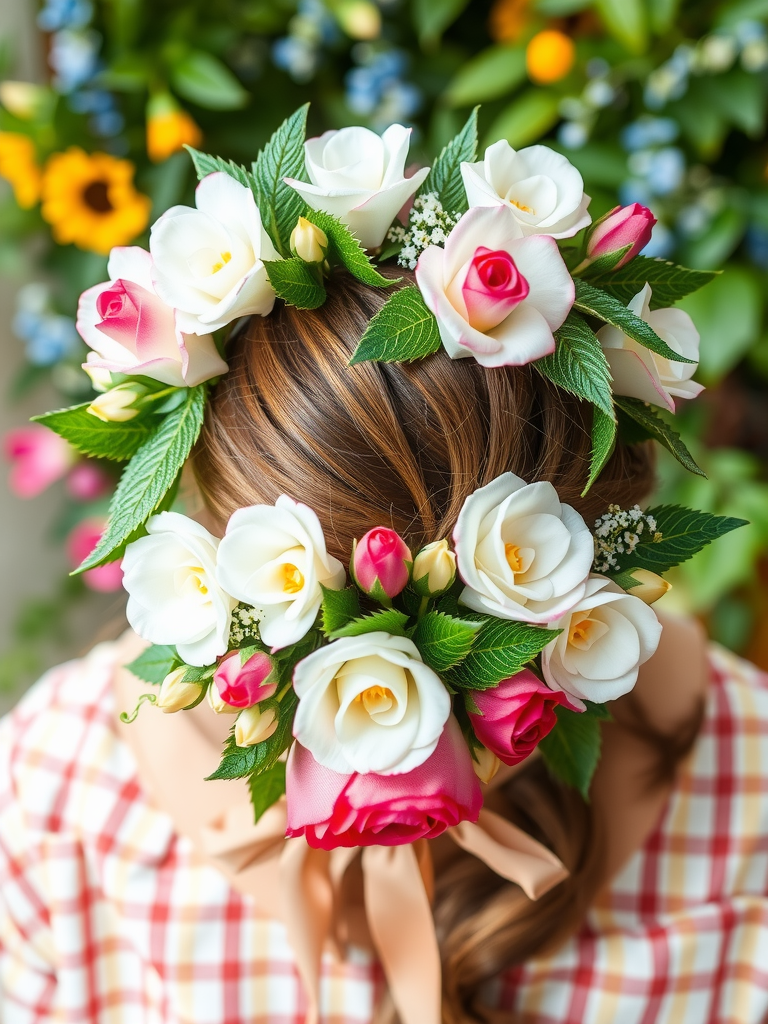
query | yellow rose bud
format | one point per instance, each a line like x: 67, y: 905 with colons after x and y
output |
x: 308, y: 242
x: 434, y: 569
x: 115, y: 405
x: 485, y: 764
x: 174, y: 694
x: 550, y: 55
x: 652, y: 586
x: 217, y: 704
x: 101, y: 379
x: 253, y: 726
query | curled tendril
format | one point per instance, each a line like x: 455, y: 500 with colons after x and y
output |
x: 127, y: 719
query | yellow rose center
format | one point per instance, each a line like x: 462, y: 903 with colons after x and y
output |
x: 225, y: 258
x: 513, y: 557
x: 582, y: 632
x: 376, y: 698
x: 293, y: 580
x: 197, y: 576
x: 523, y: 207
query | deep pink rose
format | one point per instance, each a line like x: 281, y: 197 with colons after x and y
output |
x: 39, y: 458
x: 242, y: 686
x: 492, y: 288
x: 622, y: 226
x: 516, y: 715
x: 105, y: 579
x: 332, y: 810
x: 87, y: 482
x: 382, y: 555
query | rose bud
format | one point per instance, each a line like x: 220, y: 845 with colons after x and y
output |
x: 485, y: 764
x: 515, y: 715
x: 381, y: 563
x: 254, y: 725
x: 116, y: 405
x: 217, y: 705
x: 434, y: 569
x: 308, y: 242
x: 240, y: 685
x: 175, y: 695
x: 623, y: 226
x: 652, y: 586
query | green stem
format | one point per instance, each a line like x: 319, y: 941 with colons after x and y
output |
x: 422, y: 607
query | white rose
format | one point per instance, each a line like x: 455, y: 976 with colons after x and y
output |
x: 604, y: 641
x: 209, y: 261
x: 522, y: 554
x: 369, y: 704
x: 170, y: 576
x: 542, y: 188
x: 359, y: 177
x: 496, y: 295
x: 638, y: 372
x: 274, y: 558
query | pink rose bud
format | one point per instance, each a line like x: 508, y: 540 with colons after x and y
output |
x: 38, y: 458
x: 87, y: 482
x: 491, y: 288
x: 332, y: 810
x: 105, y: 579
x: 382, y: 557
x: 515, y: 716
x: 622, y: 226
x: 241, y: 686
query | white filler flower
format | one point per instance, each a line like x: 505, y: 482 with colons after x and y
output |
x: 604, y: 641
x: 359, y: 177
x: 170, y: 576
x: 542, y: 188
x: 209, y: 261
x: 369, y: 704
x: 522, y: 554
x: 274, y: 558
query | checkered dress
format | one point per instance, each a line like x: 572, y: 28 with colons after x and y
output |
x: 107, y: 916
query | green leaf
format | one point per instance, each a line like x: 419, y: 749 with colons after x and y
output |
x: 626, y: 21
x: 388, y: 620
x: 345, y: 248
x: 198, y: 673
x: 603, y: 443
x: 266, y: 788
x: 625, y: 580
x: 295, y: 283
x: 578, y: 364
x: 529, y: 116
x: 492, y: 73
x: 154, y: 663
x: 239, y: 762
x: 282, y: 157
x: 338, y: 608
x: 572, y: 750
x: 402, y: 330
x: 501, y: 649
x: 150, y: 474
x: 432, y: 17
x: 444, y: 641
x: 91, y: 436
x: 445, y: 177
x: 203, y: 79
x: 206, y: 164
x: 659, y: 430
x: 605, y: 307
x: 669, y: 282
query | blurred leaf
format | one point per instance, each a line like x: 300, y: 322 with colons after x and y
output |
x: 741, y: 10
x: 741, y: 99
x: 626, y: 21
x: 266, y: 788
x: 203, y: 79
x: 130, y: 72
x: 166, y: 182
x: 432, y: 17
x: 559, y: 8
x: 492, y: 73
x: 702, y: 122
x: 599, y: 163
x: 526, y: 119
x: 662, y: 14
x: 713, y: 247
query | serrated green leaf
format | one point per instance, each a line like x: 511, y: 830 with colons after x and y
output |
x: 603, y: 443
x: 444, y: 641
x: 578, y: 364
x: 295, y: 283
x: 206, y: 164
x: 605, y: 307
x: 345, y: 248
x: 198, y: 673
x: 338, y: 608
x: 154, y: 663
x: 445, y: 174
x: 402, y: 330
x: 501, y: 649
x: 91, y: 436
x: 571, y: 751
x: 239, y: 762
x: 625, y: 580
x: 266, y: 788
x: 150, y: 474
x: 388, y: 620
x: 657, y: 428
x: 282, y: 157
x: 669, y: 282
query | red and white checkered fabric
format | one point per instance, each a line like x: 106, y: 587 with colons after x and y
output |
x: 106, y: 915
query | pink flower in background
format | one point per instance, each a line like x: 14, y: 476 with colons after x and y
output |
x: 80, y: 543
x: 622, y: 226
x: 88, y: 482
x: 382, y: 555
x: 38, y: 457
x: 331, y: 810
x: 241, y: 686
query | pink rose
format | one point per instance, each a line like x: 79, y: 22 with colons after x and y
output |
x: 332, y: 810
x: 622, y: 226
x: 80, y: 543
x: 515, y: 716
x: 38, y: 457
x: 87, y: 482
x: 132, y: 331
x: 382, y: 556
x: 242, y: 686
x: 493, y: 286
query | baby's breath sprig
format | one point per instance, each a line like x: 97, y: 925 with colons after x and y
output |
x: 618, y: 532
x: 245, y: 625
x: 428, y: 224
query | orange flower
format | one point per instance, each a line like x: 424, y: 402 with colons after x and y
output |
x: 549, y: 56
x: 18, y: 165
x: 169, y: 129
x: 89, y: 200
x: 508, y: 20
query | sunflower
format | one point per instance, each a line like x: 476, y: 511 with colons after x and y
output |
x: 18, y: 165
x: 89, y: 200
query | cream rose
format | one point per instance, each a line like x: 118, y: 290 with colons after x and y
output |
x: 173, y: 595
x: 369, y: 704
x: 274, y: 558
x: 540, y: 187
x: 521, y: 553
x: 638, y: 372
x: 605, y: 639
x: 208, y: 262
x: 359, y: 177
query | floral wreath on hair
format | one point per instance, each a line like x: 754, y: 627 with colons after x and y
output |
x: 393, y: 694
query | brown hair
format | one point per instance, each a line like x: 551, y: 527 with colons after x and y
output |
x: 403, y: 445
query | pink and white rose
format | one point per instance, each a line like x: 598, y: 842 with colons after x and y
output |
x: 497, y: 295
x: 382, y: 557
x: 621, y: 227
x: 243, y: 685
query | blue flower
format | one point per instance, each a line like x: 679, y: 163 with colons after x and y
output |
x: 74, y: 59
x: 649, y: 131
x: 59, y: 14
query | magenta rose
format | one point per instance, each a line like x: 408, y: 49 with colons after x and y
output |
x: 623, y: 226
x: 104, y: 579
x: 38, y: 458
x: 492, y: 288
x: 242, y: 686
x: 382, y: 556
x: 515, y: 715
x: 331, y: 810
